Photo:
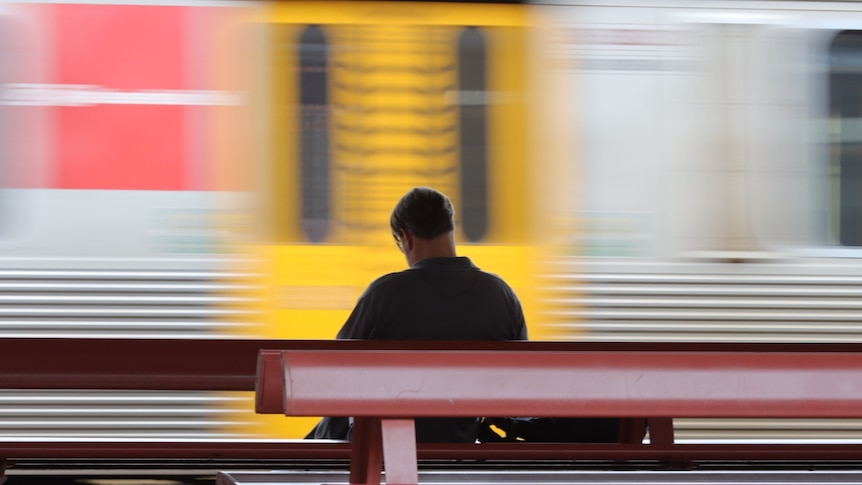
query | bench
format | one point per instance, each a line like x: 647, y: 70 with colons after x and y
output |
x: 232, y: 365
x: 385, y: 389
x: 217, y: 364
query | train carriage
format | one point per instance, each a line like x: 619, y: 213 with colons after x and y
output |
x: 116, y: 213
x: 717, y: 180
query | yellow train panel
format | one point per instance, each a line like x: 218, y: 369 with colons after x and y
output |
x: 357, y: 102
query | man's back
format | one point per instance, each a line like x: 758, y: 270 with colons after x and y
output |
x: 437, y: 299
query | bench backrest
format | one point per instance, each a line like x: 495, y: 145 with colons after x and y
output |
x: 138, y: 364
x: 229, y: 364
x: 409, y: 383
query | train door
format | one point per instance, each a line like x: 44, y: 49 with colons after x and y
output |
x: 845, y: 176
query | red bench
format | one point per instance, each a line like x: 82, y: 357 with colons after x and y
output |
x: 385, y: 389
x: 162, y: 365
x: 231, y: 365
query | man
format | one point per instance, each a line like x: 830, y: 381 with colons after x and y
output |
x: 441, y: 296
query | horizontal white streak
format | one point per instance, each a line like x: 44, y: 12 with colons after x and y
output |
x: 79, y: 95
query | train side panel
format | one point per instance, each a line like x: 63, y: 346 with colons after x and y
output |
x: 114, y: 212
x: 717, y: 151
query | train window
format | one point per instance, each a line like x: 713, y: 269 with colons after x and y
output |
x: 472, y: 122
x: 845, y: 102
x: 314, y: 133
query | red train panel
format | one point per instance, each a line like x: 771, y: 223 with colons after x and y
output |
x: 123, y: 135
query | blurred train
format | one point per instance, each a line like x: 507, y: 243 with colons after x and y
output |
x: 642, y: 170
x: 716, y: 191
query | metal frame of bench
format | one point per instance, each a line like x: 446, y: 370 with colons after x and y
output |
x: 386, y: 389
x: 231, y: 365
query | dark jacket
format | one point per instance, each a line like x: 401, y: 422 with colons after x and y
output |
x: 435, y: 299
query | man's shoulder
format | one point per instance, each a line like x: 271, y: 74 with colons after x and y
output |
x: 493, y: 278
x: 389, y: 280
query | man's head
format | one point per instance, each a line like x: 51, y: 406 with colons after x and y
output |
x: 425, y: 217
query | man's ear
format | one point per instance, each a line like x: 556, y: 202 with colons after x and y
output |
x: 407, y: 240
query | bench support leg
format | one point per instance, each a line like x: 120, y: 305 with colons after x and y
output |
x: 378, y: 441
x: 661, y: 431
x: 366, y: 452
x: 399, y: 451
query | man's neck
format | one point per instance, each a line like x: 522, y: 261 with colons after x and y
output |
x: 442, y: 246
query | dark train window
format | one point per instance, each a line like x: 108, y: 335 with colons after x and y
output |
x: 472, y: 87
x: 314, y: 134
x: 845, y: 103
